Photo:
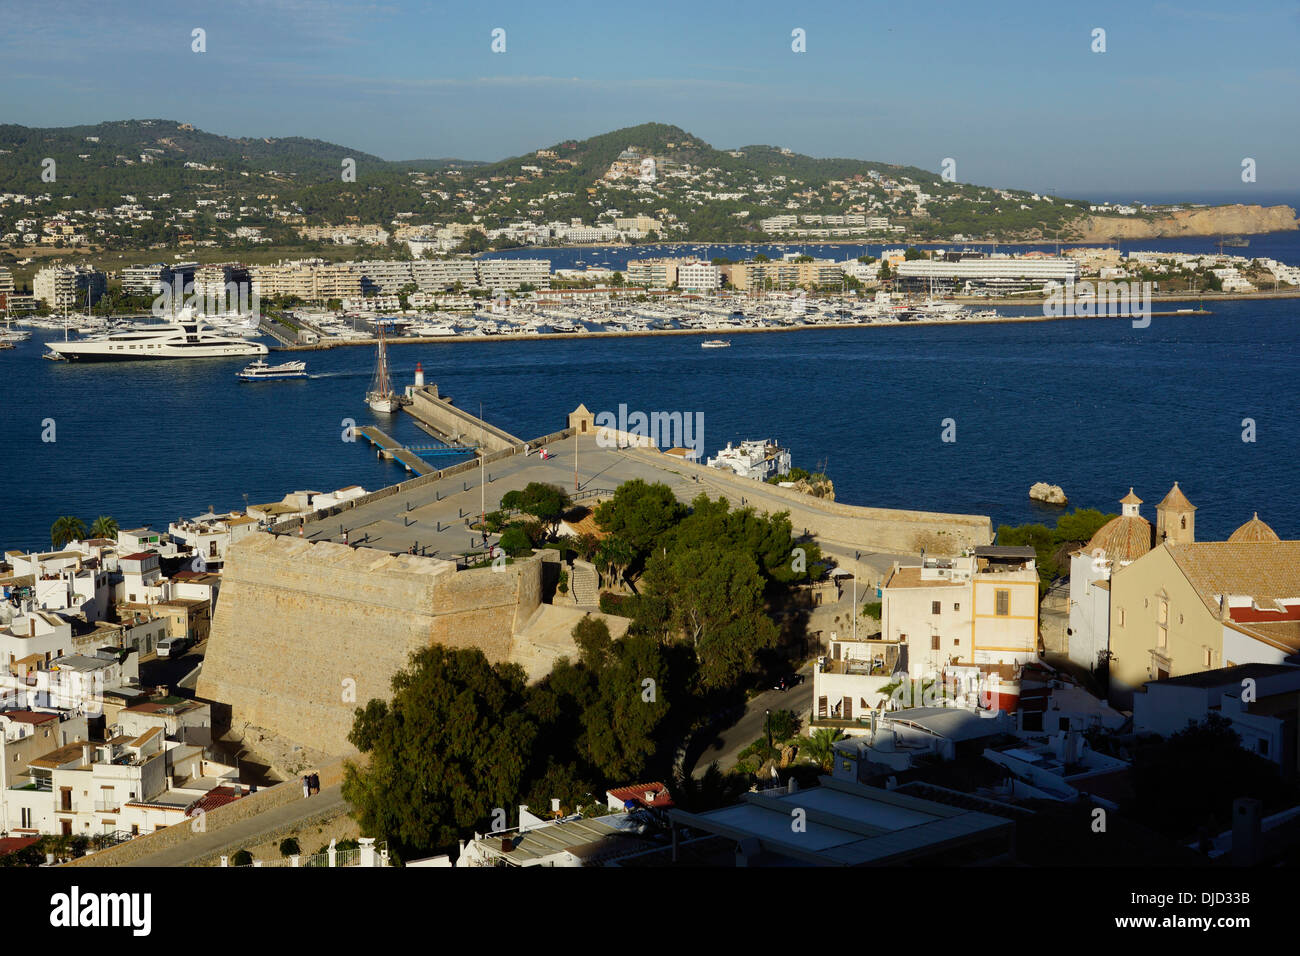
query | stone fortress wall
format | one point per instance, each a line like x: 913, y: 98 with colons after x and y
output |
x: 879, y: 529
x: 304, y: 633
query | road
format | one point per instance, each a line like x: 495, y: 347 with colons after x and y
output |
x: 727, y: 744
x: 248, y: 832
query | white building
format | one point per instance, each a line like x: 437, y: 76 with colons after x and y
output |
x: 1257, y: 699
x: 65, y: 288
x: 1118, y: 543
x: 758, y: 460
x: 976, y: 612
x: 993, y: 273
x: 699, y: 277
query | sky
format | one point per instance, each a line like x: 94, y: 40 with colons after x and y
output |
x: 1013, y: 92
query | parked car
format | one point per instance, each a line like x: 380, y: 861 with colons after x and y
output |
x: 788, y: 681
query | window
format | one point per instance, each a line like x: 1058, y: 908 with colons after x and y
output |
x: 934, y: 642
x: 27, y: 818
x: 1209, y: 656
x: 956, y: 606
x: 1183, y: 522
x: 1164, y: 612
x: 956, y: 642
x: 1121, y: 617
x: 1003, y: 602
x: 935, y: 607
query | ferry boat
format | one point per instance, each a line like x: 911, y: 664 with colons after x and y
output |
x: 715, y: 344
x: 259, y: 371
x: 185, y: 337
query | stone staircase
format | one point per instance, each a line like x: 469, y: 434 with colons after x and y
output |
x: 584, y: 583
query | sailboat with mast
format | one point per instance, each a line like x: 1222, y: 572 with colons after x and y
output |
x: 381, y: 398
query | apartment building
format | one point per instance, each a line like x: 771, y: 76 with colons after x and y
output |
x: 506, y: 275
x: 654, y: 273
x: 977, y: 610
x: 699, y: 277
x: 144, y: 280
x: 783, y: 274
x: 312, y: 282
x: 66, y: 288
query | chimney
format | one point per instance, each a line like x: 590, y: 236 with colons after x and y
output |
x: 87, y: 753
x: 1246, y: 831
x: 1225, y: 609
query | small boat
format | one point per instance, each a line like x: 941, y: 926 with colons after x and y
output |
x: 259, y: 371
x: 715, y: 344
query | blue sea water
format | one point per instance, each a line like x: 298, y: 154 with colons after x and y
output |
x: 1093, y: 405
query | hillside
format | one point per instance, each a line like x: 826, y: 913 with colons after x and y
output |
x: 139, y: 184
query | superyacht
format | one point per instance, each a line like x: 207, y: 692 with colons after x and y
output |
x: 184, y: 337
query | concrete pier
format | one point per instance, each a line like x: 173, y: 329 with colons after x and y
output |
x: 391, y: 448
x: 455, y: 425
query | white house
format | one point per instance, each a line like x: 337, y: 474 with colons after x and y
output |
x: 1259, y: 700
x: 1118, y: 543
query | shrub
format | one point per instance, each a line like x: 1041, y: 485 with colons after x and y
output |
x: 289, y: 847
x: 563, y: 586
x: 241, y: 858
x: 611, y: 603
x: 515, y: 541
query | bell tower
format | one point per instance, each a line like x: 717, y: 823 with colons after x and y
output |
x: 1175, y: 518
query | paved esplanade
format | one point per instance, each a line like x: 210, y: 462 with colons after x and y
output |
x: 432, y: 518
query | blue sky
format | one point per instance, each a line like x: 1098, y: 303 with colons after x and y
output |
x: 1011, y: 90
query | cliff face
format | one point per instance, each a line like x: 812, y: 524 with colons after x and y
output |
x: 1212, y: 221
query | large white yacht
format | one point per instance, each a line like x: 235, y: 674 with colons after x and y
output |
x: 184, y: 337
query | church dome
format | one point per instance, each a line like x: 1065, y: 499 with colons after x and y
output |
x: 1125, y: 538
x: 1253, y: 530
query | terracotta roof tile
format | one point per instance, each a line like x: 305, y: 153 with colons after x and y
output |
x: 1125, y: 538
x: 1177, y: 500
x: 1253, y: 530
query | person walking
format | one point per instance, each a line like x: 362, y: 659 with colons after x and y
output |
x: 306, y: 786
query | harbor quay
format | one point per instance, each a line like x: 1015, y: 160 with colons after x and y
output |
x: 432, y: 515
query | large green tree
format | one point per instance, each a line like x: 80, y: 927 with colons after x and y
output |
x: 455, y: 742
x: 768, y: 539
x: 547, y: 503
x: 713, y: 597
x: 640, y: 513
x: 607, y: 707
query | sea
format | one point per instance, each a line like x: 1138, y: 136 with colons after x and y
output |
x: 1093, y: 405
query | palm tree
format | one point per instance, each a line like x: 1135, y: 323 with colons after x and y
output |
x: 713, y: 789
x: 67, y: 528
x: 614, y: 557
x: 821, y: 746
x: 105, y: 526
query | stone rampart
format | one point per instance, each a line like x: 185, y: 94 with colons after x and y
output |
x: 305, y: 633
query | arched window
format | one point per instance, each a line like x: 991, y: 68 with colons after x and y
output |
x: 1184, y: 519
